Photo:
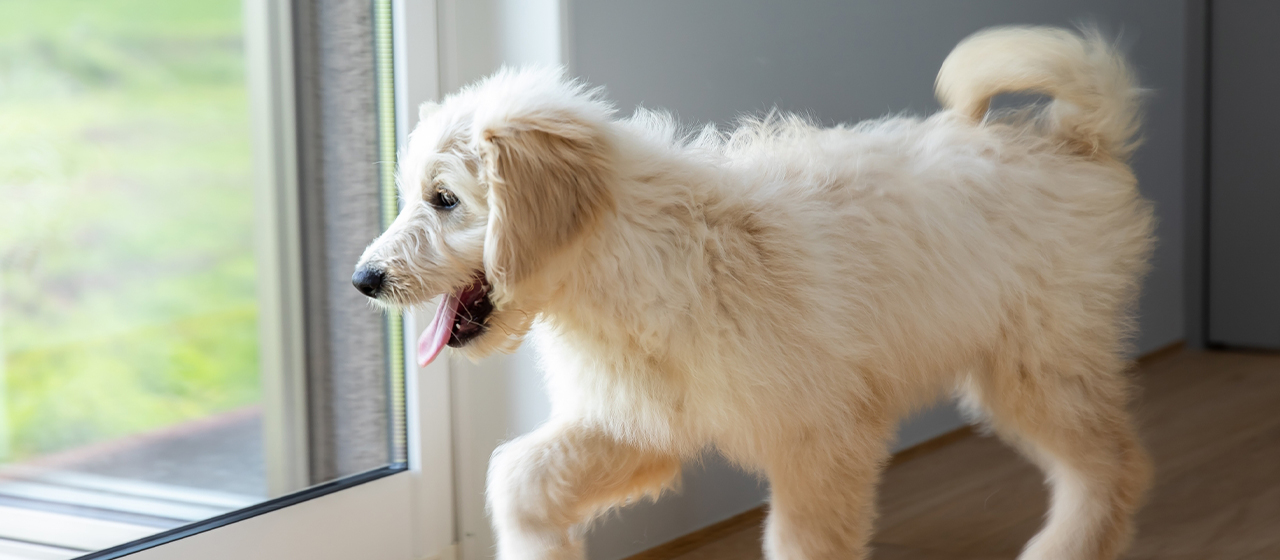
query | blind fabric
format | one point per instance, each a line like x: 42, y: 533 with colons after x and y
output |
x: 339, y: 185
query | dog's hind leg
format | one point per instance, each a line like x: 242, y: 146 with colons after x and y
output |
x: 1068, y: 417
x: 545, y: 486
x: 823, y: 492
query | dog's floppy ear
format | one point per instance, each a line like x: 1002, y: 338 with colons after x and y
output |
x: 548, y: 180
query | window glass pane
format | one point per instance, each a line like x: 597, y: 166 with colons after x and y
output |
x: 130, y: 393
x: 127, y: 237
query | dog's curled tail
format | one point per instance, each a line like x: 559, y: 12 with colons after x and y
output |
x: 1095, y: 95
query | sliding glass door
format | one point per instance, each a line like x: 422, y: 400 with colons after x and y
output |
x: 128, y: 296
x: 170, y: 376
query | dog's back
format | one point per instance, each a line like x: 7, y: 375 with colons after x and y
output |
x: 918, y: 245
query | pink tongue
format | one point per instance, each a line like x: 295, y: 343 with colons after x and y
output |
x: 436, y: 336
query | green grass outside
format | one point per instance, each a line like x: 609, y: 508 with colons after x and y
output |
x: 127, y: 294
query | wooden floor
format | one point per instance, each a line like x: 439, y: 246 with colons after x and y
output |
x: 1210, y: 419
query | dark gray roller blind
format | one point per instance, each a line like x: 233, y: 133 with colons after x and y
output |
x: 347, y: 365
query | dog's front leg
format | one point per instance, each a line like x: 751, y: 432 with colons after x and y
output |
x: 544, y: 486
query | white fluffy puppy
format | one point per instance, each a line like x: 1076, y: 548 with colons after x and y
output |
x: 786, y: 293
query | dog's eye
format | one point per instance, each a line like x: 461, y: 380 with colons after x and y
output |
x: 442, y: 199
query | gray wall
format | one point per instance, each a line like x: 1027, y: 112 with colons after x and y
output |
x: 843, y: 62
x: 1244, y: 308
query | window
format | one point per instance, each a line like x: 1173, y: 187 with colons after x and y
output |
x: 182, y: 188
x: 131, y: 391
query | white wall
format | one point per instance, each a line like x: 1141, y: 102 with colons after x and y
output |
x: 838, y: 61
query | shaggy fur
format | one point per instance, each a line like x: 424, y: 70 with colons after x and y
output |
x: 786, y: 293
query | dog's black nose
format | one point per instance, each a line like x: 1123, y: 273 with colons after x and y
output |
x: 368, y: 280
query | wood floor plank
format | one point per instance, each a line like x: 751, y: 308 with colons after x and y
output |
x: 741, y: 527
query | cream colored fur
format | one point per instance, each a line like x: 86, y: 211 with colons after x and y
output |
x: 786, y: 293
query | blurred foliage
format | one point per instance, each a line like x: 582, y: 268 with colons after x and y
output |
x: 127, y: 295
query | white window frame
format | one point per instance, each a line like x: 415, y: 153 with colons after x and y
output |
x: 388, y: 514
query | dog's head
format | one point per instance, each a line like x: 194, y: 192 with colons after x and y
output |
x: 498, y: 183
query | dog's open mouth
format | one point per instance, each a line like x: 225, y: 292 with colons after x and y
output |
x: 461, y: 317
